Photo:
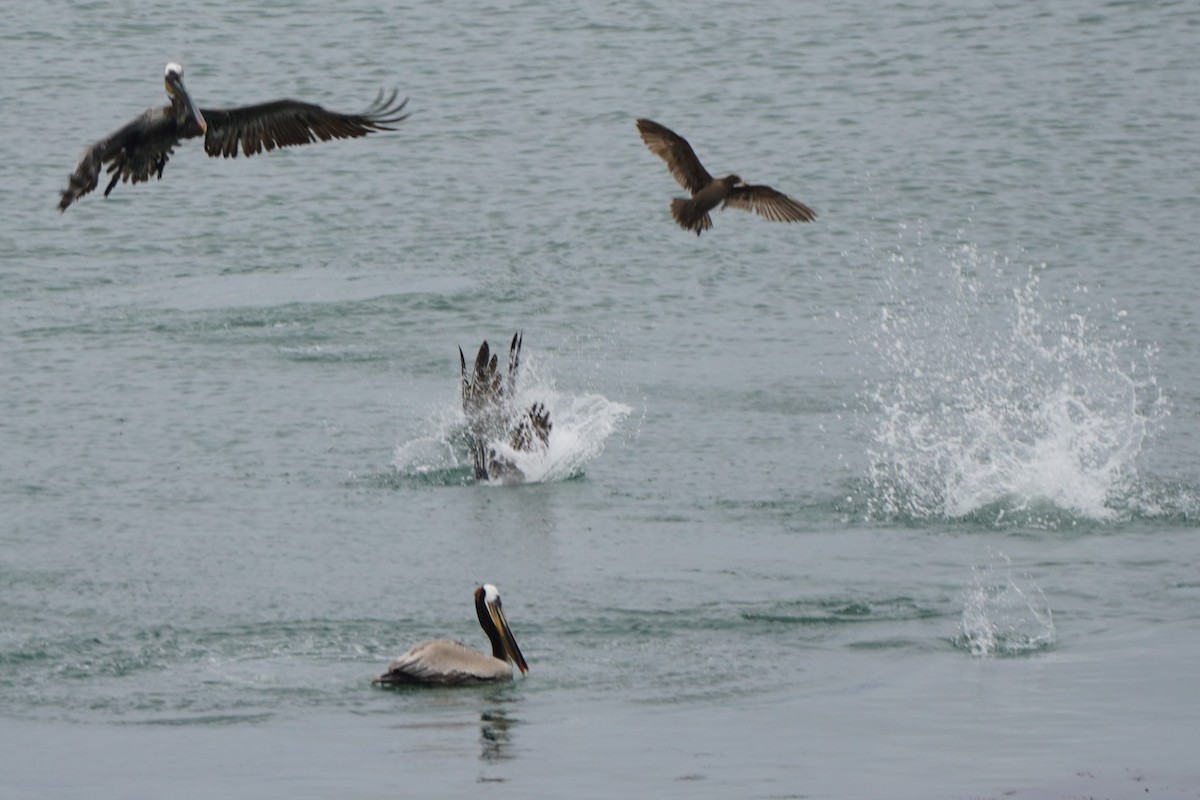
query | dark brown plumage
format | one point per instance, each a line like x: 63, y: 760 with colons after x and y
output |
x: 140, y: 150
x: 708, y: 192
x: 488, y: 404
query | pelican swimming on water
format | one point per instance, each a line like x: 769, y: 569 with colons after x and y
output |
x: 707, y: 191
x: 140, y: 150
x: 445, y: 662
x: 492, y: 417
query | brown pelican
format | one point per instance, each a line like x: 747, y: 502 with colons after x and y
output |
x: 141, y: 149
x: 444, y: 662
x: 707, y: 191
x: 488, y: 403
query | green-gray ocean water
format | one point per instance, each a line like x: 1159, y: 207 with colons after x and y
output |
x: 898, y: 504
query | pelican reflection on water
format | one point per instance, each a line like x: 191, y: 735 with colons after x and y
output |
x: 445, y: 662
x: 140, y: 149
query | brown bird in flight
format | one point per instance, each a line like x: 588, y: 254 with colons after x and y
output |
x: 707, y: 191
x: 140, y: 150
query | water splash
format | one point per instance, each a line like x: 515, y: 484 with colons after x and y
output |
x: 1002, y: 403
x: 1004, y: 617
x: 581, y: 426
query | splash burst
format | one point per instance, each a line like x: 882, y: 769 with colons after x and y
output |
x: 582, y: 425
x: 998, y: 402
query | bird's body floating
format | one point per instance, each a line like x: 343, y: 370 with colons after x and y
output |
x: 140, y: 150
x: 707, y: 192
x: 445, y: 662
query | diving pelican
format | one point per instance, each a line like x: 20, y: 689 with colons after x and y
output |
x: 140, y: 150
x: 707, y: 192
x: 488, y: 403
x: 445, y: 662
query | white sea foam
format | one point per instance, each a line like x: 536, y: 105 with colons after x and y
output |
x: 998, y: 400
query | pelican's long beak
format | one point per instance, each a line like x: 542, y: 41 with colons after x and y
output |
x: 175, y: 88
x: 496, y: 612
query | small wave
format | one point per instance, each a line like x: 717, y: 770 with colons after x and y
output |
x: 207, y: 720
x: 333, y: 354
x: 1149, y: 498
x: 1004, y: 616
x: 244, y: 669
x: 841, y: 612
x: 441, y: 458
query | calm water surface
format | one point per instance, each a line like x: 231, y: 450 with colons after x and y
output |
x: 898, y: 504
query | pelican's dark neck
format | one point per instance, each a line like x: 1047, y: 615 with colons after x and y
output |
x: 489, y: 627
x: 179, y: 108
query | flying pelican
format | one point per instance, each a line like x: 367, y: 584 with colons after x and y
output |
x: 488, y: 397
x: 445, y: 662
x: 141, y: 149
x: 707, y: 191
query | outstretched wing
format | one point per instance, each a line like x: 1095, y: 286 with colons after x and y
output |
x: 134, y: 153
x: 286, y: 123
x: 514, y: 361
x: 768, y: 203
x: 87, y: 172
x: 488, y: 393
x: 532, y: 429
x: 485, y: 386
x: 674, y: 149
x: 480, y: 386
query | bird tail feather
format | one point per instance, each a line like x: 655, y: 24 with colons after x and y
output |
x: 689, y: 217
